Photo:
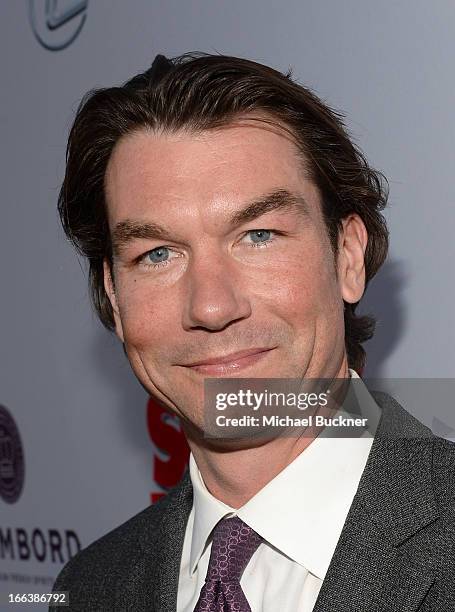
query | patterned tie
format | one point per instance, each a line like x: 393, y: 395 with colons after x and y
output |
x: 233, y: 546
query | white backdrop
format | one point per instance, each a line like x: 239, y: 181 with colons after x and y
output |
x: 90, y: 462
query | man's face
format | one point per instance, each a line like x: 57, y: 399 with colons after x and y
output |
x: 222, y: 263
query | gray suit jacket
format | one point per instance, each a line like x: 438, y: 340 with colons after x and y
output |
x: 396, y: 552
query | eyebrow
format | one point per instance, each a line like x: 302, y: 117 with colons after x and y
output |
x: 128, y: 230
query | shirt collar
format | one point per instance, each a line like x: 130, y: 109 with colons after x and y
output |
x: 207, y: 512
x: 301, y: 511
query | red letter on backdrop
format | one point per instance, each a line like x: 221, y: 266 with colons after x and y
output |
x: 166, y: 434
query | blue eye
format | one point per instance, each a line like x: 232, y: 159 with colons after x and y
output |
x: 262, y: 235
x: 158, y: 255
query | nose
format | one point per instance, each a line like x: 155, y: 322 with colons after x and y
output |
x: 215, y: 295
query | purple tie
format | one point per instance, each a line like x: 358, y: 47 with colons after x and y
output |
x: 233, y: 546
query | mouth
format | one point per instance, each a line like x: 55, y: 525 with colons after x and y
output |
x: 229, y: 364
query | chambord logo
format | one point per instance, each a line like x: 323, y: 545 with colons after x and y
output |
x: 57, y: 23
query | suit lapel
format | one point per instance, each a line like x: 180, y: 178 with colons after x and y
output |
x: 152, y: 582
x: 383, y: 561
x: 171, y: 537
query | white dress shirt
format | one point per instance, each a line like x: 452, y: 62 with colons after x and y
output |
x: 299, y: 514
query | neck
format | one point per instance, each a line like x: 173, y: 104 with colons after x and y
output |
x: 235, y: 474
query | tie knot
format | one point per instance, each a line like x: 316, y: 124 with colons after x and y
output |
x: 233, y: 545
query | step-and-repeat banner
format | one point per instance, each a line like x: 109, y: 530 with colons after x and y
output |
x: 82, y: 447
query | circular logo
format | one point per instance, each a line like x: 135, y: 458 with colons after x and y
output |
x: 56, y: 24
x: 11, y: 458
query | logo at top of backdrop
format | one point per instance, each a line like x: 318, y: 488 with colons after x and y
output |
x: 11, y: 458
x: 57, y: 23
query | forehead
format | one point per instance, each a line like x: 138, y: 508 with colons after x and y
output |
x: 210, y: 170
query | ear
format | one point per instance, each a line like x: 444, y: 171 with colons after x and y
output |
x: 109, y: 287
x: 352, y: 243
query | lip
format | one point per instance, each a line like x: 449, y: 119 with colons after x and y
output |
x: 229, y: 363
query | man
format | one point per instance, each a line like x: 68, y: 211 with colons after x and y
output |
x: 231, y: 228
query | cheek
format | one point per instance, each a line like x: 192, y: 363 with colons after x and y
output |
x: 304, y: 290
x: 146, y: 315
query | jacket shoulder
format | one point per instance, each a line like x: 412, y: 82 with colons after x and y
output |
x: 92, y: 575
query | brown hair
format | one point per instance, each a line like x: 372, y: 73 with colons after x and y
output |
x: 201, y: 92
